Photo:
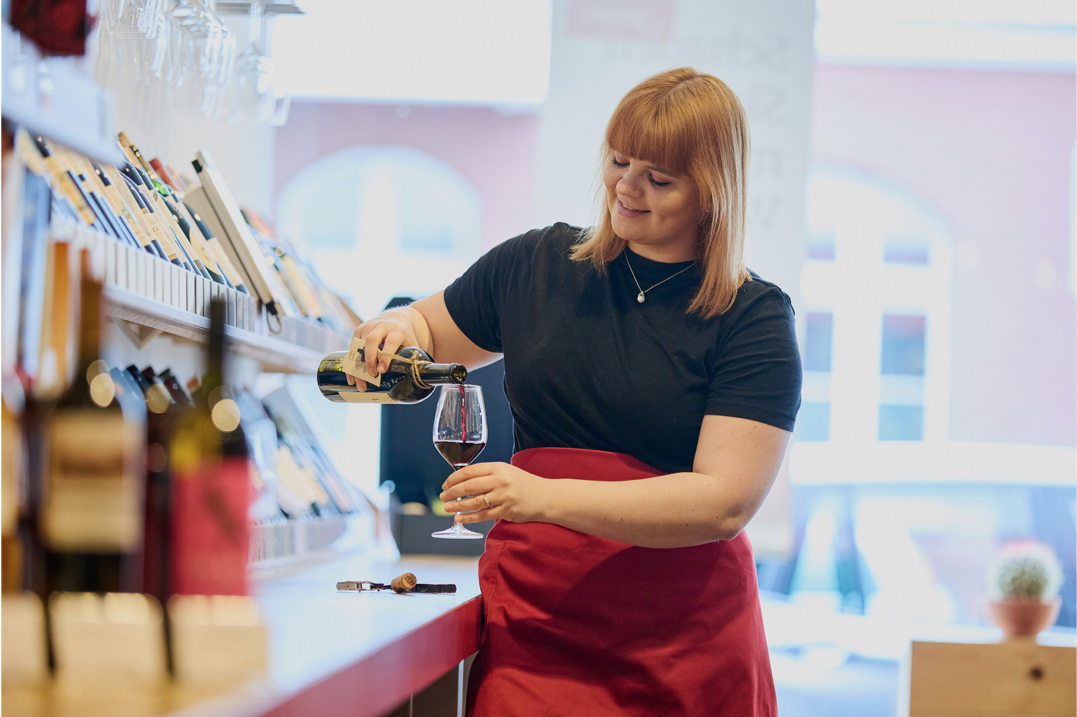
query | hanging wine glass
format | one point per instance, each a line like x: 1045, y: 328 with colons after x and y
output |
x: 225, y: 64
x: 257, y: 93
x: 149, y: 55
x: 252, y: 81
x: 202, y: 50
x: 131, y: 19
x: 460, y: 436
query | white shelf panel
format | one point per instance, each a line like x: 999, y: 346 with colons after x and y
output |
x: 275, y: 355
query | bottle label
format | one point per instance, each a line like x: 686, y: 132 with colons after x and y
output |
x: 355, y: 365
x: 94, y: 500
x: 366, y: 397
x: 210, y: 532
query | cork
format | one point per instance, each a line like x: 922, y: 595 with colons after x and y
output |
x: 403, y: 583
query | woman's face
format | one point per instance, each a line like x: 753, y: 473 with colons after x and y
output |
x: 655, y: 211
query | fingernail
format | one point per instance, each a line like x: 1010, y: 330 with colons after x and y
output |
x: 383, y: 367
x: 442, y: 497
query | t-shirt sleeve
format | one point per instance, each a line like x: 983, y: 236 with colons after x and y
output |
x: 757, y: 371
x: 475, y: 300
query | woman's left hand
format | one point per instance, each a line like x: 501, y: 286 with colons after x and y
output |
x: 497, y: 490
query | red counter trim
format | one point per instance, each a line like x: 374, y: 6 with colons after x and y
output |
x: 382, y: 680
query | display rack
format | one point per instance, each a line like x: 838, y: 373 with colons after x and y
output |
x: 269, y: 8
x: 153, y: 318
x: 150, y: 297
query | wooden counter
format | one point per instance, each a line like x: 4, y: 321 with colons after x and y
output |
x: 330, y: 653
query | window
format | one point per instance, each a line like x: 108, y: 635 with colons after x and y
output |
x: 818, y: 341
x: 876, y: 335
x: 899, y: 249
x: 903, y: 345
x: 364, y: 210
x: 813, y: 421
x: 901, y: 386
x: 821, y: 246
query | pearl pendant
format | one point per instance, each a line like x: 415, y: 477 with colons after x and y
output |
x: 640, y: 298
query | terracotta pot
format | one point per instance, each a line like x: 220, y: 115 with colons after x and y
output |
x: 1020, y: 618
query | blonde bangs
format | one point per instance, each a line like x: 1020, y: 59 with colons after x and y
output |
x: 648, y: 128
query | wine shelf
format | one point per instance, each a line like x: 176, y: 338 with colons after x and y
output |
x: 269, y: 8
x: 150, y: 296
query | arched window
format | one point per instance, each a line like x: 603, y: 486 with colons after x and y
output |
x: 383, y: 221
x: 876, y: 334
x: 378, y: 221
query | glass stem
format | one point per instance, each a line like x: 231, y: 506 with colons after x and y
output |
x: 256, y: 25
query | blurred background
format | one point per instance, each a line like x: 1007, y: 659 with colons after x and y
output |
x: 912, y: 190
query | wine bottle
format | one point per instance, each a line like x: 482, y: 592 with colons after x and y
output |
x: 178, y: 393
x: 158, y: 399
x: 411, y: 378
x: 162, y: 420
x: 211, y: 485
x: 12, y: 484
x: 119, y: 188
x: 92, y: 517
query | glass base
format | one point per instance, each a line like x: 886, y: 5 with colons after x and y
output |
x: 457, y: 532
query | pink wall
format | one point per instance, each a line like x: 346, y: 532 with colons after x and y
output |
x: 991, y: 151
x: 495, y: 152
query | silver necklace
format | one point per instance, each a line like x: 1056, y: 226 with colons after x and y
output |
x: 641, y: 298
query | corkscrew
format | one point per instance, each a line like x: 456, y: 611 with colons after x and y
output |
x: 406, y: 583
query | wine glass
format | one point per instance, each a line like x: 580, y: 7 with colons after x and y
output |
x: 203, y: 50
x: 459, y: 436
x: 257, y: 89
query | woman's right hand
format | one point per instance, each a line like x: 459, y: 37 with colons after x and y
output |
x: 388, y: 331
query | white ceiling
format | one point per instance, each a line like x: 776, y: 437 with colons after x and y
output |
x: 1034, y: 35
x: 496, y: 52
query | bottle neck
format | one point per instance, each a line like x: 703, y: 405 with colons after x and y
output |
x: 441, y: 373
x: 89, y: 322
x: 214, y: 376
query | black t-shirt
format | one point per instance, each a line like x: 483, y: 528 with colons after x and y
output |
x: 588, y: 366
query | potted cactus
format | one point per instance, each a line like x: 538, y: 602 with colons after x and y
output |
x: 1023, y: 583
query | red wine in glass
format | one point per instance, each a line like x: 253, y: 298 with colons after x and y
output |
x: 457, y: 453
x: 459, y: 436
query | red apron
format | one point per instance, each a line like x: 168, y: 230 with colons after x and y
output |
x: 579, y: 625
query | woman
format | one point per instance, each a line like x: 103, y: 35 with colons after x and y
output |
x: 654, y: 383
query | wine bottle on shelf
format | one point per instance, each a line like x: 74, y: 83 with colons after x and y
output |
x: 162, y: 232
x: 211, y: 485
x: 213, y: 245
x: 185, y: 237
x: 200, y: 242
x: 65, y: 186
x: 300, y: 480
x: 162, y: 419
x: 411, y: 377
x: 164, y: 173
x: 178, y: 393
x: 12, y: 484
x: 175, y: 232
x: 158, y: 399
x: 93, y: 512
x: 171, y: 214
x: 116, y: 186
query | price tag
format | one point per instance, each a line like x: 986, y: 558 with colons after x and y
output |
x: 355, y: 362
